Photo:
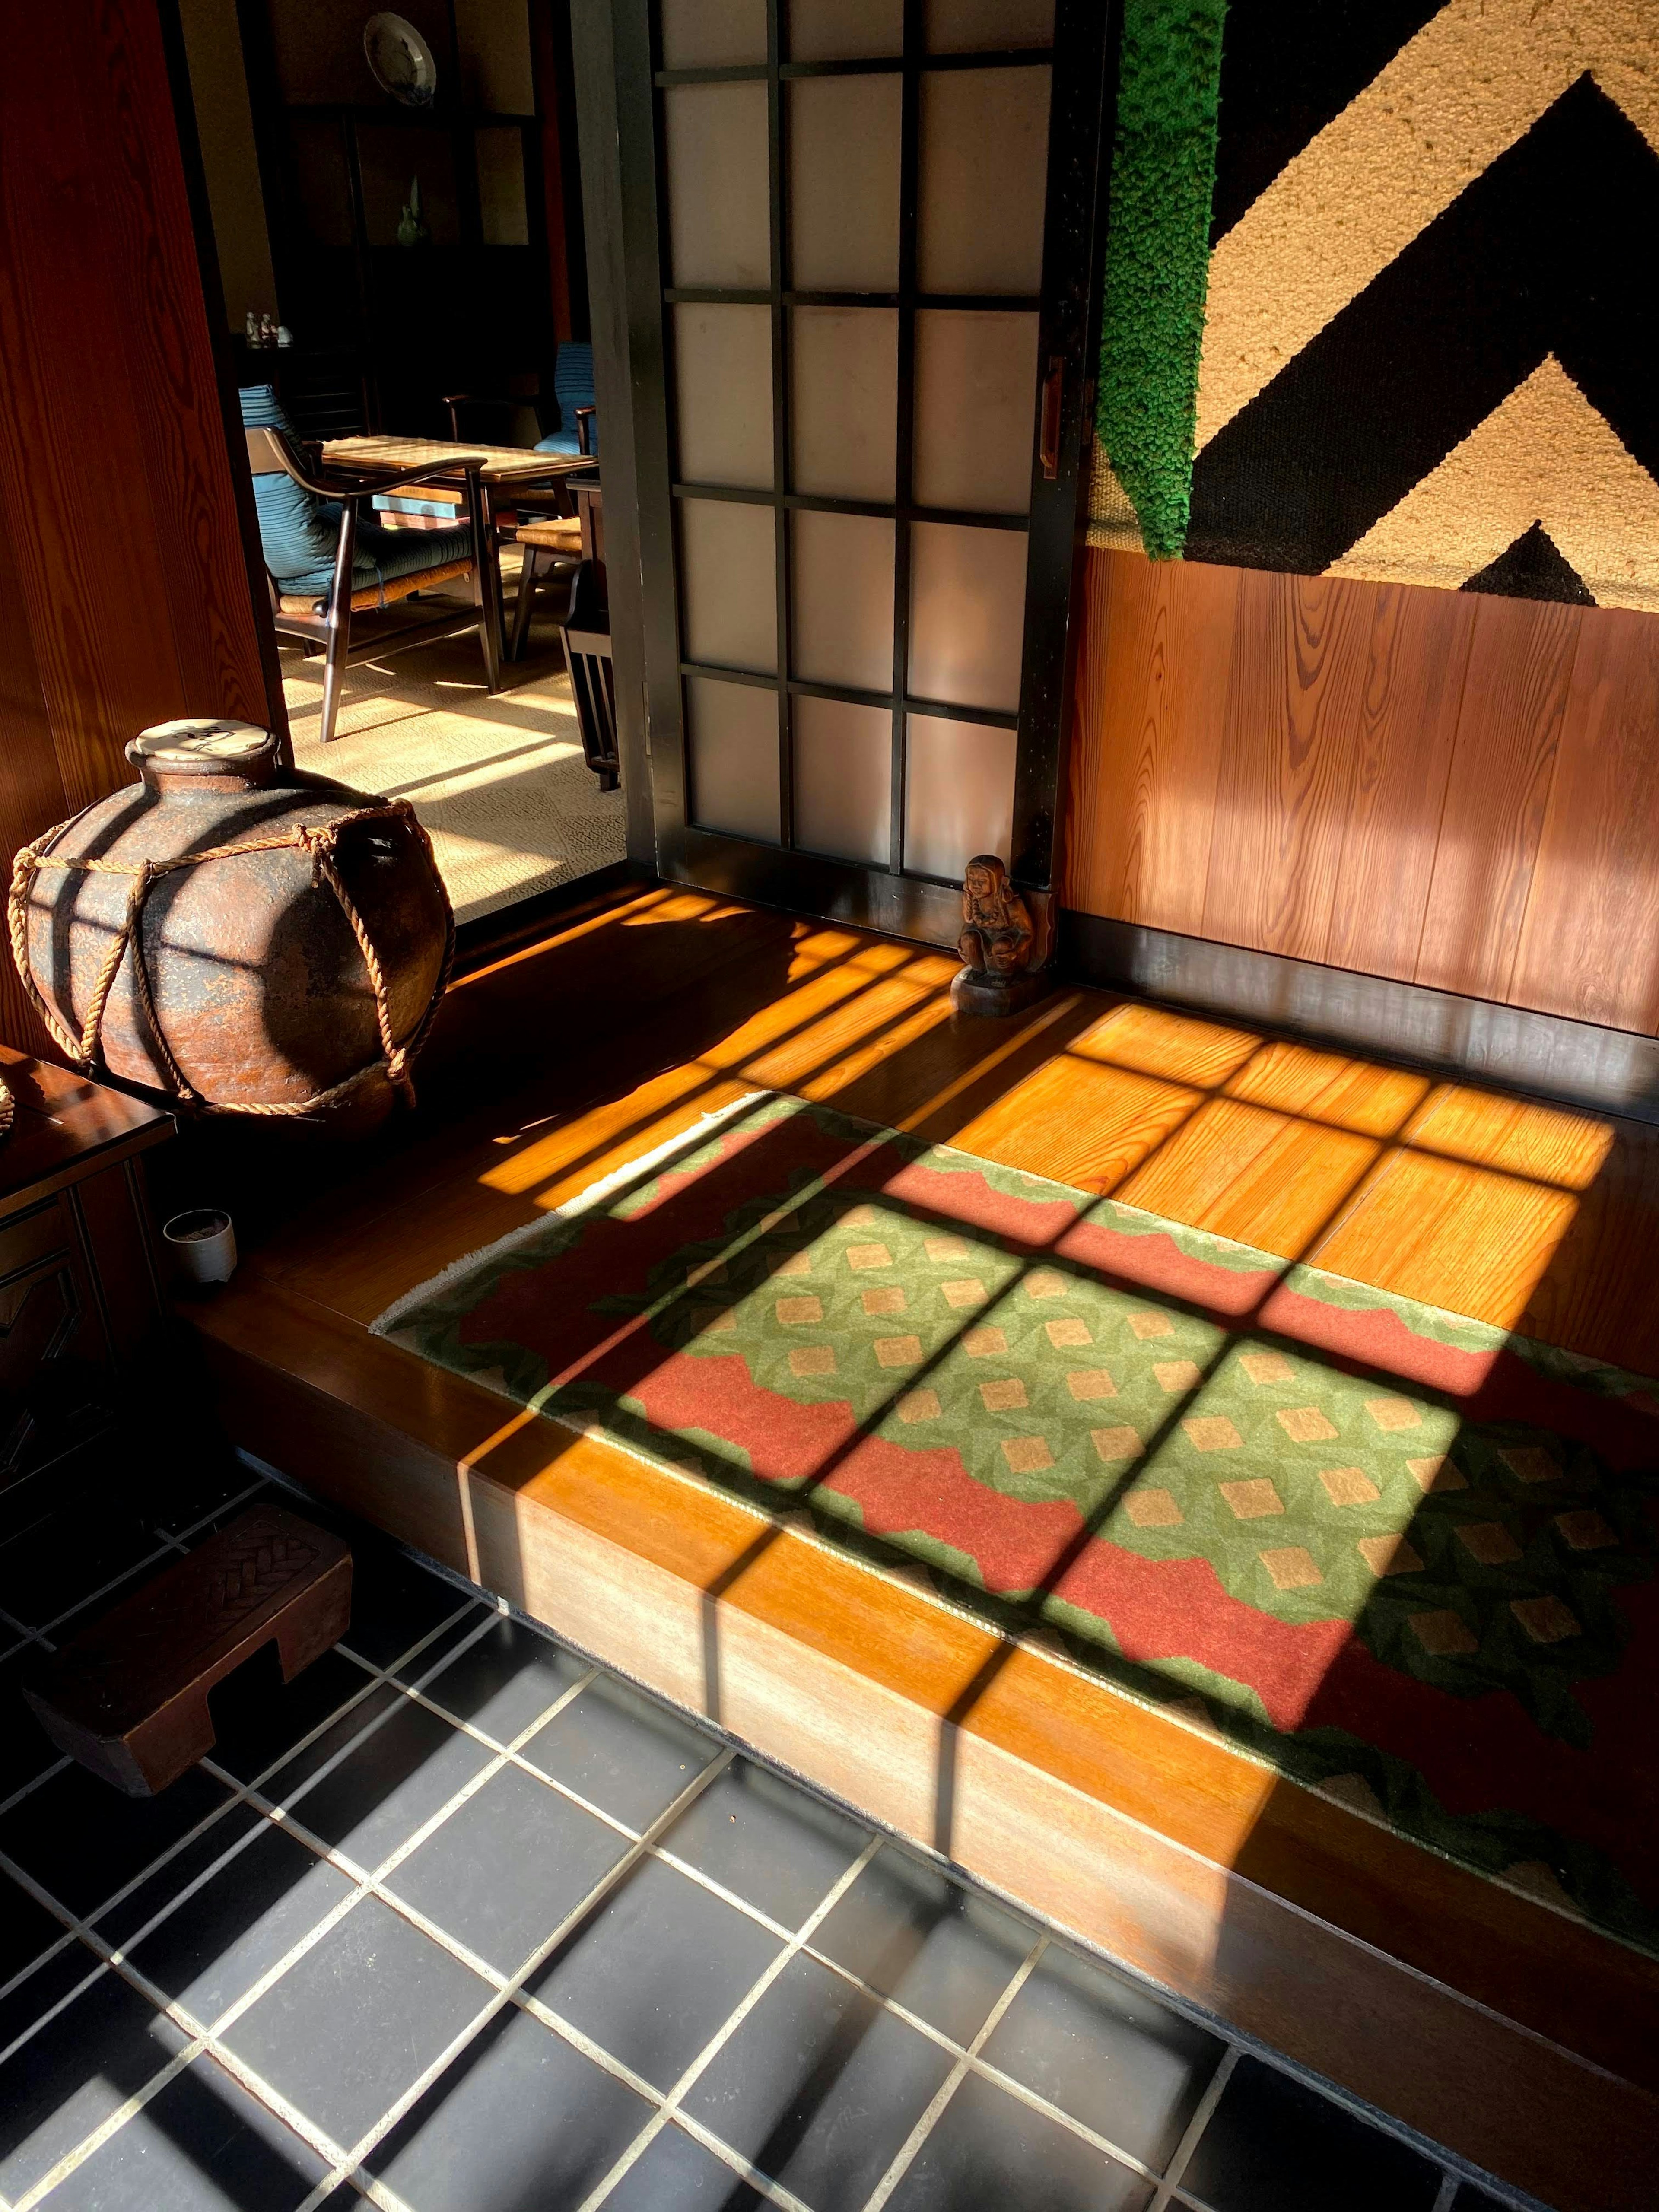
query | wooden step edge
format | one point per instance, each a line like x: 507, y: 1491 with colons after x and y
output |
x: 1517, y: 2038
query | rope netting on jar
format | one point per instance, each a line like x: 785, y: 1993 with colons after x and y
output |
x: 395, y: 1059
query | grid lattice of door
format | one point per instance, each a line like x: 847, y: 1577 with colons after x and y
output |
x: 851, y: 224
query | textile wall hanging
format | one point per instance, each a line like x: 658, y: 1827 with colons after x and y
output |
x: 1381, y: 293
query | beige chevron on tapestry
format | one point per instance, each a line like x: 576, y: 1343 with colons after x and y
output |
x: 1112, y: 522
x: 1545, y: 456
x: 1473, y: 81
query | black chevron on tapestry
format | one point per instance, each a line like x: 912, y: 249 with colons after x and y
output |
x: 1551, y: 250
x: 1533, y: 567
x: 1288, y: 68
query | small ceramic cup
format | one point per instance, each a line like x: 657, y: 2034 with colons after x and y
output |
x: 203, y: 1244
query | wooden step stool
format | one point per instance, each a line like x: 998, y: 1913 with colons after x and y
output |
x: 129, y: 1698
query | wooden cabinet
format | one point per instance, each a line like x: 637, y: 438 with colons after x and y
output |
x: 80, y: 1284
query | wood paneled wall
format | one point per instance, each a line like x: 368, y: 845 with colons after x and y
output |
x: 126, y: 592
x: 1438, y: 788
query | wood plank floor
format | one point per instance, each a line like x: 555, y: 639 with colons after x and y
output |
x: 566, y: 1059
x: 562, y: 1060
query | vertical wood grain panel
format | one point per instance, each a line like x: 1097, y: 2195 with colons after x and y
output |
x: 1449, y: 789
x: 1589, y: 945
x: 1416, y: 656
x: 31, y: 787
x: 168, y: 356
x: 1295, y: 698
x: 115, y: 471
x: 1514, y: 696
x: 1157, y: 643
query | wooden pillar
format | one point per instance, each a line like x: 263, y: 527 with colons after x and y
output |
x: 128, y: 551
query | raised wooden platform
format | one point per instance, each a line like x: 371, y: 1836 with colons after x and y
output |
x: 1496, y: 2024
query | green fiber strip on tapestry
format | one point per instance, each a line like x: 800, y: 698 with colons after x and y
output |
x: 1158, y: 257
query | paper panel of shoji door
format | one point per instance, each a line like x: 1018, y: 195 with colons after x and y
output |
x: 843, y: 762
x: 713, y: 34
x: 844, y: 30
x: 844, y: 183
x: 731, y: 731
x: 723, y: 395
x: 719, y: 194
x: 981, y: 27
x: 983, y: 181
x: 967, y: 615
x: 842, y: 589
x: 975, y: 410
x: 729, y: 584
x: 958, y: 794
x: 844, y: 401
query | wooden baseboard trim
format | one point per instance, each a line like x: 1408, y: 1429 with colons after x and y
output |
x: 1579, y: 1063
x: 838, y: 891
x: 1524, y: 2042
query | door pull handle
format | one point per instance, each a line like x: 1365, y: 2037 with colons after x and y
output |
x: 1049, y: 434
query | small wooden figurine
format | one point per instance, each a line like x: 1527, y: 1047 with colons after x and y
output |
x: 996, y: 943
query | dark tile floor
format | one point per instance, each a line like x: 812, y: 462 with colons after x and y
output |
x: 457, y: 1921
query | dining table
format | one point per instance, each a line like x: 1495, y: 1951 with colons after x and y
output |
x: 489, y: 478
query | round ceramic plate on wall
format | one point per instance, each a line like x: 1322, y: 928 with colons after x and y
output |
x: 401, y: 60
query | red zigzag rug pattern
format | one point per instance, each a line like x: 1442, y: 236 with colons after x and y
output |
x: 1405, y: 1557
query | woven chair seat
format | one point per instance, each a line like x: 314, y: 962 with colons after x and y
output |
x: 555, y: 533
x: 379, y: 595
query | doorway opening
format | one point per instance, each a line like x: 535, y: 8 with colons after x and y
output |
x: 395, y: 202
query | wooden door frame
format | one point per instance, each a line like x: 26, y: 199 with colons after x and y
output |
x: 213, y: 301
x: 617, y: 80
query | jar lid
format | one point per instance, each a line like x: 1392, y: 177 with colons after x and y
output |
x: 205, y: 757
x: 194, y: 736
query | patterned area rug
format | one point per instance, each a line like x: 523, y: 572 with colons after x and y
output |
x: 1405, y: 1557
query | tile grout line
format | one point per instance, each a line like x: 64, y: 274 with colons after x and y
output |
x: 240, y: 1793
x: 206, y: 2036
x: 1182, y: 2155
x: 899, y: 2165
x: 1448, y: 2190
x: 197, y: 2036
x: 115, y: 1957
x: 368, y: 1883
x: 25, y: 1788
x: 506, y: 1991
x: 734, y: 2019
x: 169, y: 1540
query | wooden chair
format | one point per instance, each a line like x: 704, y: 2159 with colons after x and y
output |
x: 551, y: 549
x: 517, y: 409
x: 587, y: 638
x: 319, y: 610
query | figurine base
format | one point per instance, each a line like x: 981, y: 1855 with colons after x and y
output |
x: 974, y: 991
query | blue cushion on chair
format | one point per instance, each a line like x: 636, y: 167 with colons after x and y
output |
x: 383, y: 555
x: 573, y: 387
x: 300, y: 533
x: 297, y: 530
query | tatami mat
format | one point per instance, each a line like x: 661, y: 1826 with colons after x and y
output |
x: 500, y: 784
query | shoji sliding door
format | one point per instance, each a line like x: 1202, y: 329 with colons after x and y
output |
x: 873, y: 239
